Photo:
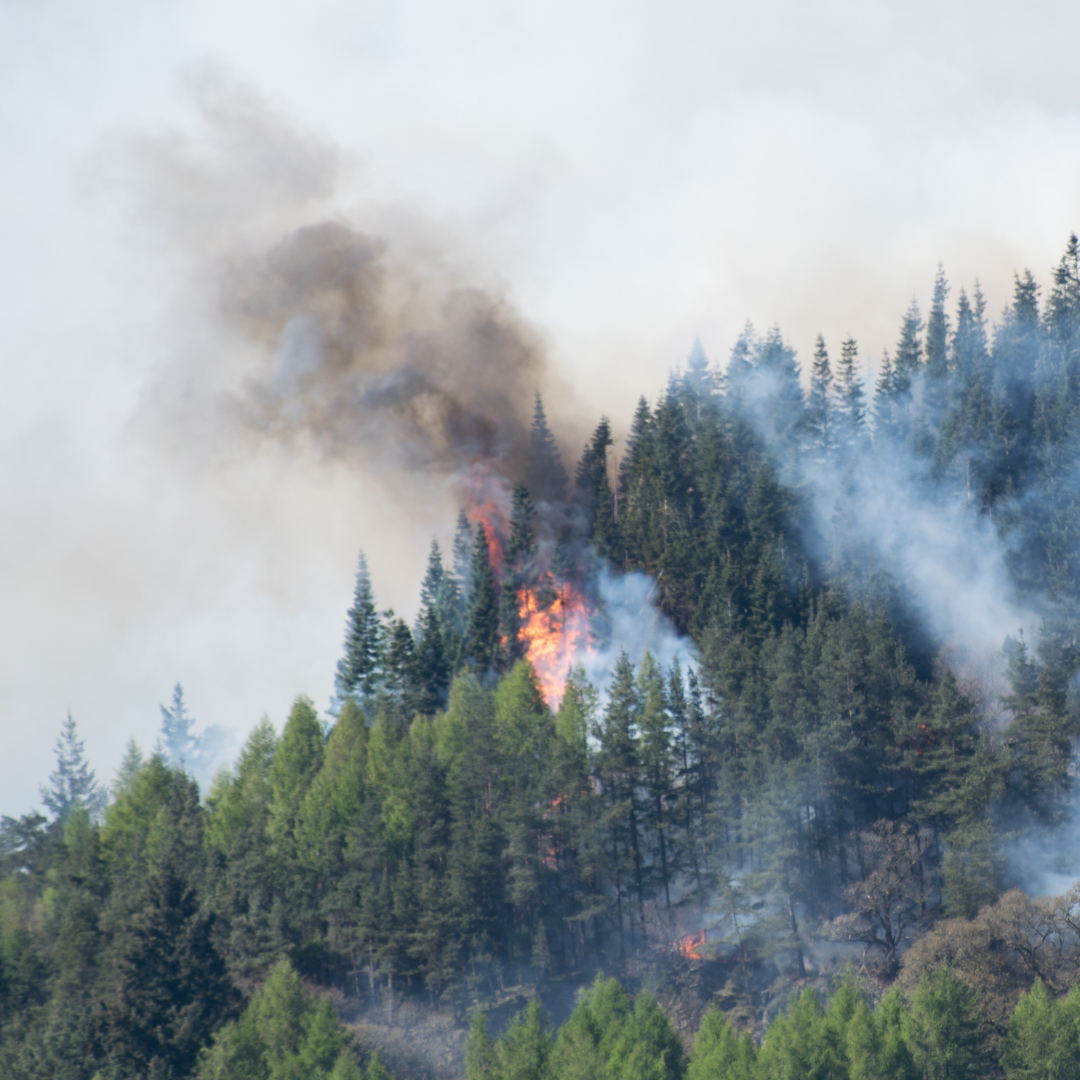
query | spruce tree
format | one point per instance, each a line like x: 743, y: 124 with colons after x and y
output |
x: 72, y: 784
x: 432, y: 587
x: 431, y: 668
x: 546, y: 476
x: 819, y: 406
x: 482, y: 639
x: 357, y: 670
x: 851, y: 406
x: 937, y: 330
x: 909, y: 351
x: 464, y: 552
x: 181, y: 745
x: 517, y: 572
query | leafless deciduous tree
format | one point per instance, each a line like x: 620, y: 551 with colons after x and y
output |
x: 891, y: 899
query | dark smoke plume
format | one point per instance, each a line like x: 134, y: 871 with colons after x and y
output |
x: 346, y: 330
x: 364, y: 355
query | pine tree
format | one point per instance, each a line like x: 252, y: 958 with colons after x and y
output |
x: 819, y: 407
x: 181, y: 745
x: 851, y: 406
x: 517, y: 572
x: 171, y: 987
x: 546, y: 478
x: 617, y: 766
x: 432, y: 587
x: 464, y: 553
x: 357, y: 670
x: 482, y: 640
x: 431, y: 667
x: 72, y: 784
x: 909, y: 351
x: 937, y: 330
x: 656, y: 769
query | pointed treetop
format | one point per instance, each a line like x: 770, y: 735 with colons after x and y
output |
x: 547, y: 478
x: 357, y: 668
x: 432, y: 586
x: 179, y: 743
x: 72, y: 784
x: 464, y: 541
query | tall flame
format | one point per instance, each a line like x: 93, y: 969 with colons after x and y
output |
x: 553, y: 633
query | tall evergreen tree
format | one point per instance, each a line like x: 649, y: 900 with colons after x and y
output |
x: 547, y: 478
x: 517, y: 572
x: 72, y: 784
x: 937, y: 330
x: 909, y: 350
x: 819, y: 406
x: 851, y: 406
x: 482, y: 640
x: 180, y: 743
x: 357, y: 670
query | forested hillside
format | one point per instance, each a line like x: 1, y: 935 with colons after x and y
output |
x: 509, y: 796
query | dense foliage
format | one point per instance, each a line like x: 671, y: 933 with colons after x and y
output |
x: 819, y: 771
x: 937, y: 1036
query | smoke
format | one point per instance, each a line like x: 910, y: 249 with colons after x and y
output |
x: 629, y: 621
x: 372, y: 358
x: 327, y: 322
x: 883, y: 525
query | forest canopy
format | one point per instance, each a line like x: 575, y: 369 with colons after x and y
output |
x: 831, y: 767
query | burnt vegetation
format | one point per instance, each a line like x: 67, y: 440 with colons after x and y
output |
x: 832, y: 780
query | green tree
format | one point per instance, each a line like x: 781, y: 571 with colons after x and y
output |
x: 283, y: 1034
x: 1043, y: 1040
x: 357, y: 669
x: 482, y: 642
x: 72, y: 784
x: 944, y: 1028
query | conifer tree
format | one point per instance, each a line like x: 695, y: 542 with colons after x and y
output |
x: 547, y: 478
x: 464, y: 552
x: 819, y: 407
x: 482, y: 640
x: 851, y: 407
x: 357, y: 670
x: 944, y: 1029
x: 72, y: 784
x: 431, y: 588
x: 181, y: 745
x: 617, y: 765
x: 517, y: 572
x: 431, y: 667
x: 937, y: 330
x: 594, y: 495
x: 656, y: 768
x: 909, y: 350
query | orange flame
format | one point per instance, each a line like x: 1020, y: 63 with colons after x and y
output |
x: 487, y: 504
x: 689, y: 945
x: 553, y: 634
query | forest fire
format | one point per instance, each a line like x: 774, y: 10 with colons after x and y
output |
x: 487, y: 505
x: 553, y: 633
x: 688, y: 946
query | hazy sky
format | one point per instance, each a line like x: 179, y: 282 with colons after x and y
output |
x: 630, y: 175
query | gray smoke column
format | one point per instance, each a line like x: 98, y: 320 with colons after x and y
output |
x: 362, y: 354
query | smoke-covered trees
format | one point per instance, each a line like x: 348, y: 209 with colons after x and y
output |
x: 827, y: 765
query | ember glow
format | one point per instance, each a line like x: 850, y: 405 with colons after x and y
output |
x: 554, y: 629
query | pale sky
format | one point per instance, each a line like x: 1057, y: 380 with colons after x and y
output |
x: 632, y: 176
